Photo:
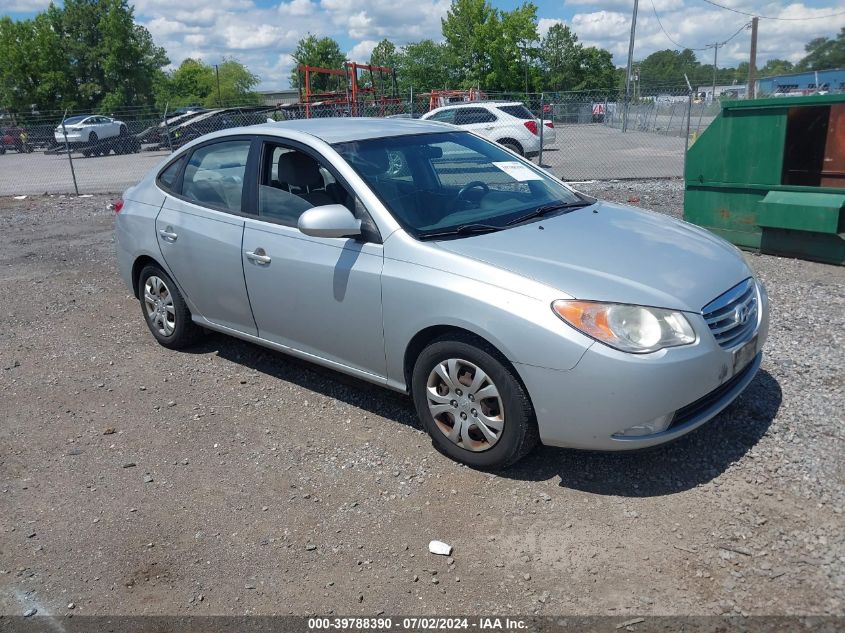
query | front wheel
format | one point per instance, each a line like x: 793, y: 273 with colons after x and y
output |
x: 472, y: 404
x: 92, y: 137
x: 165, y: 310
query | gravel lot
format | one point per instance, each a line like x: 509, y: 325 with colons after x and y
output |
x: 229, y: 479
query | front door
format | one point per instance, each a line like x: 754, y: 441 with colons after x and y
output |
x: 320, y: 296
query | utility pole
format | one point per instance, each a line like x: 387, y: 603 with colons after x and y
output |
x: 752, y: 63
x: 217, y: 72
x: 630, y: 64
x: 715, y: 46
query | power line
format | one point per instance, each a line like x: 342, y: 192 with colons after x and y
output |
x: 769, y: 17
x: 669, y: 37
x: 703, y: 48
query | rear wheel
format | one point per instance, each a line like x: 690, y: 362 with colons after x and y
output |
x: 92, y: 137
x: 513, y: 146
x: 123, y: 130
x: 164, y: 309
x: 472, y: 404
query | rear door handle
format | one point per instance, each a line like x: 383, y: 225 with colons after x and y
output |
x: 258, y: 256
x: 167, y: 234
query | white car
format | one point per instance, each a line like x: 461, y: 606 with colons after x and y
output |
x: 89, y: 128
x: 508, y: 123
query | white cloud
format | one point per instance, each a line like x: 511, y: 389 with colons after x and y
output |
x: 361, y: 51
x: 298, y: 7
x: 544, y: 24
x: 22, y: 6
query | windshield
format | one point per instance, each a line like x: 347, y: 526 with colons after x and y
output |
x: 436, y: 183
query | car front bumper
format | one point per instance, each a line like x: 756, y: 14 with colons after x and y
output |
x: 609, y: 391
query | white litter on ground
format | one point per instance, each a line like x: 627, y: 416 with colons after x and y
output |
x: 439, y: 547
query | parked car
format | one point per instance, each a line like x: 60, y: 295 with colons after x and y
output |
x: 510, y: 124
x: 512, y: 308
x: 89, y: 128
x: 15, y: 138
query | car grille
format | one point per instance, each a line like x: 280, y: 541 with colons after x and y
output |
x: 732, y: 317
x: 694, y: 409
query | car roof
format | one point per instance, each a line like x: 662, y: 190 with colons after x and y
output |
x: 344, y: 129
x: 475, y: 104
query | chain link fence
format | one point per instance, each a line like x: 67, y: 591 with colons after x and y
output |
x: 585, y: 136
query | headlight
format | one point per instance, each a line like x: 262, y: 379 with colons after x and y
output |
x: 629, y: 328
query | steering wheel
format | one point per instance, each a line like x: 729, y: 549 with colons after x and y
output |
x: 475, y: 184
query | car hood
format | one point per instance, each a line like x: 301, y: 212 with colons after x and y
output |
x: 611, y: 252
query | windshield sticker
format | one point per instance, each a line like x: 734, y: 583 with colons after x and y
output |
x: 518, y: 171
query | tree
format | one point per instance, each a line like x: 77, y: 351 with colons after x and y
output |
x: 667, y: 68
x: 384, y: 54
x: 560, y: 58
x: 824, y: 53
x: 196, y: 83
x: 422, y: 66
x: 776, y: 67
x: 236, y: 85
x: 313, y: 51
x: 597, y: 70
x: 87, y: 54
x: 470, y: 27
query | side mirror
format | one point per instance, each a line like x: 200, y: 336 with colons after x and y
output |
x: 330, y: 220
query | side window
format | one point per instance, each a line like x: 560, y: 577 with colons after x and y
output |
x: 444, y: 116
x: 167, y: 178
x: 467, y: 116
x: 292, y: 181
x: 214, y: 175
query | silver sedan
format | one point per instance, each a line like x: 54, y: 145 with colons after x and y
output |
x: 513, y: 309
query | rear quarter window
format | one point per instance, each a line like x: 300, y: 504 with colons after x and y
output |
x: 167, y: 178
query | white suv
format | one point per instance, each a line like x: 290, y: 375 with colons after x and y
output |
x: 509, y: 123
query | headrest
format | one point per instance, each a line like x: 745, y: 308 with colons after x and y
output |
x: 372, y: 161
x: 299, y: 170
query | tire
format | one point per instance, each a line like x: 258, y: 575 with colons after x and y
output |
x: 510, y: 407
x: 86, y: 153
x: 123, y: 130
x: 92, y: 137
x: 513, y: 146
x: 171, y: 326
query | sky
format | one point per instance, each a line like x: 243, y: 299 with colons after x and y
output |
x: 263, y: 33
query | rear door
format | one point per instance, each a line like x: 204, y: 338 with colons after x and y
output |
x: 478, y: 120
x: 200, y: 229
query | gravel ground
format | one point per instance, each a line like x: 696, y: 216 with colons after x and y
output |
x: 229, y: 479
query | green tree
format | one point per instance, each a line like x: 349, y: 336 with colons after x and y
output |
x: 422, y: 66
x: 560, y: 58
x: 776, y: 67
x: 196, y: 82
x: 317, y: 51
x: 667, y: 68
x: 824, y: 53
x: 384, y: 54
x: 597, y: 71
x: 87, y: 54
x: 470, y: 28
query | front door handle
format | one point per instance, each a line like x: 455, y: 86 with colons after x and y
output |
x: 167, y: 234
x: 258, y: 256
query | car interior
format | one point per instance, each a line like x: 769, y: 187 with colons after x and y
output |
x: 292, y: 181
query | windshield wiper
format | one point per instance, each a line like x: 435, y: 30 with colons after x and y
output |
x: 548, y: 208
x: 464, y: 229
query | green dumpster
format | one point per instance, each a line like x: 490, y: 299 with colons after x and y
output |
x: 769, y: 174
